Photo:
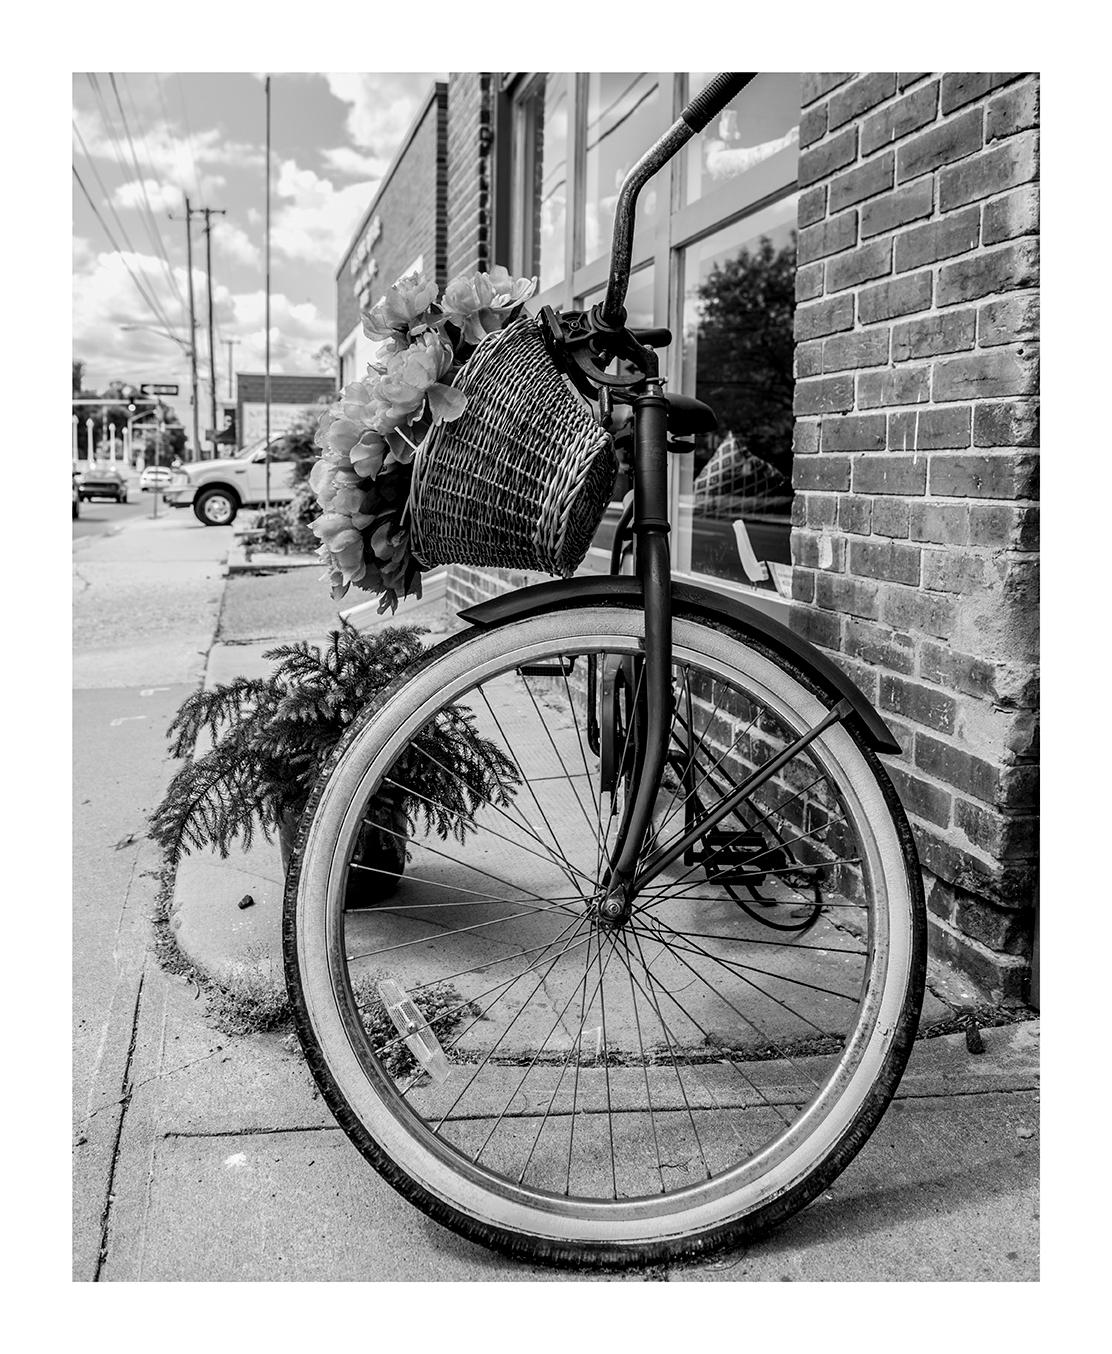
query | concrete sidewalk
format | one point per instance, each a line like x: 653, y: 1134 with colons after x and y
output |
x: 221, y: 1162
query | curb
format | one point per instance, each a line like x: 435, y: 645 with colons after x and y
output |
x: 265, y: 562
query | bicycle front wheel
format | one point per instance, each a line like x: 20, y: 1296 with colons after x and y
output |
x: 544, y: 1080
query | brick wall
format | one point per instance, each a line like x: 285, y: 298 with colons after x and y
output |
x: 916, y: 523
x: 411, y: 205
x: 470, y: 133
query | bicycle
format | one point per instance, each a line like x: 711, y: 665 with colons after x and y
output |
x: 654, y: 988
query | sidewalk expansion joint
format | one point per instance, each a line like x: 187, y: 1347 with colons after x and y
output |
x: 125, y: 1101
x: 259, y: 1130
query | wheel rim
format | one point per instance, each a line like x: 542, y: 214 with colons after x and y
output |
x: 722, y: 1124
x: 218, y: 509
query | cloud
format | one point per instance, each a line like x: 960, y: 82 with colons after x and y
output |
x: 344, y: 160
x: 380, y: 107
x: 315, y: 221
x: 163, y: 197
x: 235, y: 243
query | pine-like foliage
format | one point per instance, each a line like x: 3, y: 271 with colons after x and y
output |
x: 269, y: 737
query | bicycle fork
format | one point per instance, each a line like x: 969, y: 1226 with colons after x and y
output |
x: 653, y: 708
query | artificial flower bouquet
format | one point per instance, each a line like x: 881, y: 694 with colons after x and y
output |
x: 369, y: 437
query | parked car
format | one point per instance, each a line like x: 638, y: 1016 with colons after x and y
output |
x: 75, y: 476
x: 104, y: 480
x: 216, y: 490
x: 155, y: 477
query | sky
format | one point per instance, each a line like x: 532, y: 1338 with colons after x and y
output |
x: 203, y: 136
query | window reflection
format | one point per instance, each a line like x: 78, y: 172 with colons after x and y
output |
x: 542, y: 177
x: 625, y: 115
x: 738, y: 347
x: 762, y: 122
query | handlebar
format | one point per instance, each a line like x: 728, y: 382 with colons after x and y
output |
x: 610, y: 313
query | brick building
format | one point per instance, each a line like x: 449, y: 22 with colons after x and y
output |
x: 289, y: 396
x: 849, y: 264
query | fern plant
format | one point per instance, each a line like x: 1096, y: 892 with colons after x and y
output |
x: 268, y: 738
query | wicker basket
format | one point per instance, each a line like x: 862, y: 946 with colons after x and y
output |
x: 522, y: 477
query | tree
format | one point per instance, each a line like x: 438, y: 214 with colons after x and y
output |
x: 78, y: 375
x: 325, y: 358
x: 747, y: 348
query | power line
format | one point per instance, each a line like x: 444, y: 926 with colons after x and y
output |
x: 153, y: 231
x: 120, y: 165
x: 188, y: 135
x: 151, y: 165
x: 155, y: 310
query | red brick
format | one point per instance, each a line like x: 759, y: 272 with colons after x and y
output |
x: 808, y: 282
x: 1010, y: 423
x: 808, y: 359
x: 864, y: 348
x: 812, y: 125
x: 852, y: 596
x: 818, y: 627
x: 890, y: 517
x: 921, y: 704
x: 938, y: 240
x: 1014, y: 111
x: 1002, y: 836
x: 813, y: 85
x: 941, y: 145
x: 1000, y: 476
x: 1014, y: 320
x: 953, y: 571
x: 890, y: 474
x: 805, y: 437
x: 821, y: 472
x: 901, y: 296
x: 819, y: 162
x: 957, y: 767
x: 972, y: 676
x: 867, y: 180
x: 803, y: 584
x: 912, y: 609
x: 857, y: 98
x: 942, y: 429
x: 906, y: 78
x: 829, y: 394
x: 812, y: 206
x: 854, y: 432
x: 939, y: 523
x: 988, y: 375
x: 855, y: 514
x: 901, y: 385
x: 828, y: 237
x: 1004, y: 525
x: 822, y: 511
x: 903, y: 117
x: 948, y: 331
x: 994, y: 171
x: 898, y: 209
x: 879, y: 646
x: 889, y: 561
x: 1010, y: 217
x: 999, y: 270
x: 920, y: 798
x: 824, y: 317
x: 859, y: 265
x: 963, y: 87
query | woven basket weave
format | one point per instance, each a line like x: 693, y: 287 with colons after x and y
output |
x: 521, y: 479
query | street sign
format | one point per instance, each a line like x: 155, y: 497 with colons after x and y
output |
x: 149, y: 389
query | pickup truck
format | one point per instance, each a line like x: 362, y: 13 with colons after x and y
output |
x: 216, y: 490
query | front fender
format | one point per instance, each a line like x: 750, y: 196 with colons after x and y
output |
x: 624, y: 590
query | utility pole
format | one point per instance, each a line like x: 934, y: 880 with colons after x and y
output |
x: 230, y: 344
x: 266, y: 379
x: 189, y: 213
x: 209, y: 213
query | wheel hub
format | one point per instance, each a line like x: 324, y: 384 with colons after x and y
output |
x: 613, y: 910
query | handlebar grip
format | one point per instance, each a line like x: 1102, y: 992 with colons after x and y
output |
x: 714, y: 98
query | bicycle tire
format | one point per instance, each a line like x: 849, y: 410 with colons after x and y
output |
x: 324, y: 1011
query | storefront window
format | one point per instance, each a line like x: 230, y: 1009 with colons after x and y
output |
x: 738, y: 309
x: 543, y: 177
x: 761, y: 123
x: 625, y: 114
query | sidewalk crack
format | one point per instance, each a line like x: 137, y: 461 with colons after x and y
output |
x: 125, y: 1101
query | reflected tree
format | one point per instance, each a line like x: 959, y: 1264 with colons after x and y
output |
x: 747, y: 347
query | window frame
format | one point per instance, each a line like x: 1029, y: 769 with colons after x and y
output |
x: 677, y: 228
